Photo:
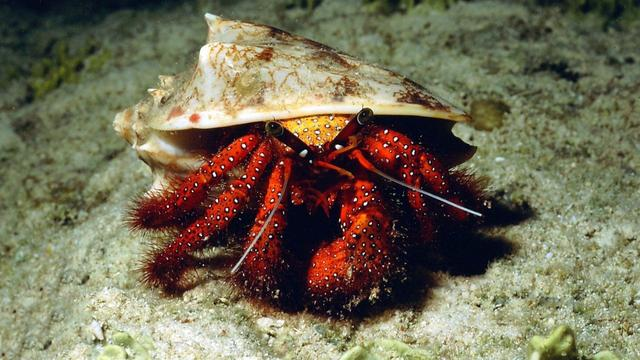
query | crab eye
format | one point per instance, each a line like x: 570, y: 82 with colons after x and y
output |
x: 273, y: 128
x: 364, y: 115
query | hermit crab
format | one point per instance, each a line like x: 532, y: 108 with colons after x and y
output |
x: 321, y: 171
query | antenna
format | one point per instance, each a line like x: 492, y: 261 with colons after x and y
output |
x: 369, y: 166
x: 236, y: 267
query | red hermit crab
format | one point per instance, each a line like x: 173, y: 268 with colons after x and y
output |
x: 323, y: 170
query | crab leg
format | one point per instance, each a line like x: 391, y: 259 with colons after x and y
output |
x: 165, y: 268
x: 350, y: 267
x: 265, y: 262
x: 162, y: 209
x: 396, y: 153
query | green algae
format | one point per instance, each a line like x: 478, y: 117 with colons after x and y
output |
x: 113, y: 352
x: 124, y: 346
x: 62, y: 65
x: 560, y: 345
x: 382, y: 349
x: 605, y: 355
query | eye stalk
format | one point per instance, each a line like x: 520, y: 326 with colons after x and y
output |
x: 337, y: 145
x: 355, y: 124
x: 275, y: 129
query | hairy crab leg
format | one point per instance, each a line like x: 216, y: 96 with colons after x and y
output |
x: 166, y: 267
x: 390, y: 159
x: 163, y: 209
x: 393, y: 152
x: 265, y: 263
x: 350, y: 267
x: 421, y: 210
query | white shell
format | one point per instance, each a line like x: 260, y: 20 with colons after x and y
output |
x: 250, y: 73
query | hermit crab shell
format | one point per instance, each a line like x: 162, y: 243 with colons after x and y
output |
x: 249, y: 73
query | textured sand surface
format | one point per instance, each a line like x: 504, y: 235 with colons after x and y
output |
x: 568, y: 149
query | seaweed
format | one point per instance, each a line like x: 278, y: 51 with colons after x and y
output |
x: 124, y: 346
x: 561, y: 345
x: 386, y: 349
x: 61, y: 65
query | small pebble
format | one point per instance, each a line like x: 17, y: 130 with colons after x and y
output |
x: 96, y: 329
x: 266, y: 323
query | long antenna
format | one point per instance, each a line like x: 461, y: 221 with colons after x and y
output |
x: 434, y: 196
x: 369, y: 166
x: 236, y: 267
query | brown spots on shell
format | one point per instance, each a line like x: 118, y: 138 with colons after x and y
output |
x: 330, y: 55
x: 315, y: 44
x: 255, y: 100
x: 279, y: 34
x: 413, y: 93
x: 321, y: 51
x: 345, y: 87
x: 266, y: 54
x: 175, y: 112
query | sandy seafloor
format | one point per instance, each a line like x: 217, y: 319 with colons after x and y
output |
x: 570, y: 150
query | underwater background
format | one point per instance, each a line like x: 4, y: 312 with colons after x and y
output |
x: 554, y: 89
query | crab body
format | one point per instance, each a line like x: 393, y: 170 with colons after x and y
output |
x: 311, y: 162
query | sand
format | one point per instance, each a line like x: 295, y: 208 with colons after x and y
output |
x: 568, y: 149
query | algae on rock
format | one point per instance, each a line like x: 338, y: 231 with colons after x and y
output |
x: 382, y: 349
x: 64, y: 66
x: 124, y: 346
x: 560, y: 345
